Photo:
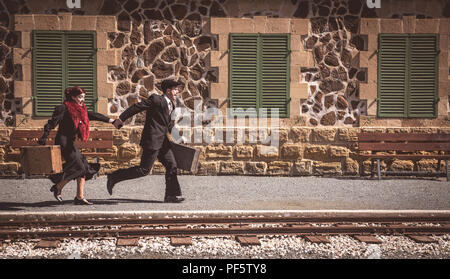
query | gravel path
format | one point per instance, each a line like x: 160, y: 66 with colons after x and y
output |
x: 272, y: 247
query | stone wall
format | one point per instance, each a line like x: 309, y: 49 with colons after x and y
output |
x: 141, y: 42
x: 334, y: 42
x: 302, y: 152
x: 157, y: 50
x: 156, y: 39
x: 343, y: 82
x: 8, y: 40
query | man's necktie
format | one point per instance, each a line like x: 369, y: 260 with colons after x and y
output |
x: 170, y: 107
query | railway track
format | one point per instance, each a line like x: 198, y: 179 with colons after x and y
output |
x: 245, y: 229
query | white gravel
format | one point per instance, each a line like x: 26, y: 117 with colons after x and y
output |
x: 272, y: 247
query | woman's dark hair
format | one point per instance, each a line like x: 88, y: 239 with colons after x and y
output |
x: 72, y: 92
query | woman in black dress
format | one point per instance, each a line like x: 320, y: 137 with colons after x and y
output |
x: 73, y: 120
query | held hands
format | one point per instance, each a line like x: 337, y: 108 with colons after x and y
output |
x: 118, y: 123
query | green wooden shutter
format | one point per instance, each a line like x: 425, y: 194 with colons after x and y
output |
x: 392, y: 75
x: 82, y: 65
x: 259, y: 72
x: 62, y: 59
x: 408, y: 75
x: 243, y: 75
x: 275, y: 77
x: 48, y: 71
x: 423, y: 76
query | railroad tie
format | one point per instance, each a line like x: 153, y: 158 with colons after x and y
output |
x: 130, y: 228
x: 317, y: 239
x: 247, y: 240
x: 175, y: 227
x: 123, y: 241
x: 422, y: 238
x: 238, y: 226
x: 44, y: 243
x: 180, y: 240
x: 368, y: 239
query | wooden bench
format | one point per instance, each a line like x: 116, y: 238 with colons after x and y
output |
x: 92, y: 148
x: 396, y: 146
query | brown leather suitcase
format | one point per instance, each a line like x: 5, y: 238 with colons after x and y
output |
x: 41, y: 160
x: 186, y: 157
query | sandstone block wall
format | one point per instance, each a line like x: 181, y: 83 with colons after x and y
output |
x: 302, y: 151
x: 142, y: 42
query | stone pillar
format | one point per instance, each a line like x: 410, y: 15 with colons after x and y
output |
x: 444, y: 66
x: 369, y: 59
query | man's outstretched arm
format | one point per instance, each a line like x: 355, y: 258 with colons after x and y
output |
x: 136, y: 108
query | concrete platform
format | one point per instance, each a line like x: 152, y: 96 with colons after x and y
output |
x: 228, y: 194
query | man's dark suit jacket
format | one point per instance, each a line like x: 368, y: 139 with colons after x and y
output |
x: 157, y: 120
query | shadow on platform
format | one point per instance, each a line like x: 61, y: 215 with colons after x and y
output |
x: 16, y: 206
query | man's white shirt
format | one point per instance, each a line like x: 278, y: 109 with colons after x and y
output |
x: 169, y: 103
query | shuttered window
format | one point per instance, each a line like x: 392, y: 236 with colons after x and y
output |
x: 259, y: 72
x: 408, y: 75
x: 63, y: 59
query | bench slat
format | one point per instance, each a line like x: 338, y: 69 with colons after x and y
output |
x: 376, y: 137
x: 95, y: 144
x: 16, y: 155
x: 97, y: 154
x: 412, y: 146
x: 30, y: 134
x: 108, y: 135
x: 15, y: 143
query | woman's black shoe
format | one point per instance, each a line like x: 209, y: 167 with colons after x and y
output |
x: 77, y: 201
x: 54, y: 189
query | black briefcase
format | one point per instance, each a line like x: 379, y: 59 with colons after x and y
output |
x: 186, y: 157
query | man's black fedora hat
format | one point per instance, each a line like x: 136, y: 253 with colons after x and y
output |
x: 168, y: 83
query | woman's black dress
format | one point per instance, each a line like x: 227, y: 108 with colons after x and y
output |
x: 75, y: 164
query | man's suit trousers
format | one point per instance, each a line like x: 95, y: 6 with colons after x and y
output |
x: 166, y: 157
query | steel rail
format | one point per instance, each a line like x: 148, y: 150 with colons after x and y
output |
x: 222, y: 220
x: 183, y: 231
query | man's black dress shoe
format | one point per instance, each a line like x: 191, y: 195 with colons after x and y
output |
x: 110, y: 184
x: 77, y: 201
x: 54, y: 189
x: 173, y: 199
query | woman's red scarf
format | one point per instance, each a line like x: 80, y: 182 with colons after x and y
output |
x: 80, y: 119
